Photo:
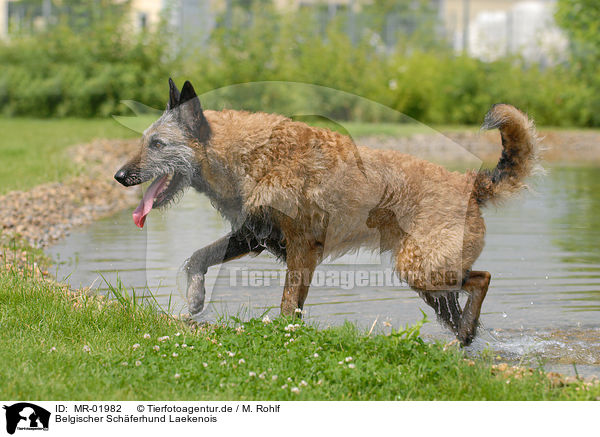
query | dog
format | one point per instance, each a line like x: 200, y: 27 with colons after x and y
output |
x: 304, y: 193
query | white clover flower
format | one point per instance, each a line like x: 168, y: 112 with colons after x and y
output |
x: 284, y: 386
x: 184, y: 345
x: 291, y: 327
x: 239, y: 329
x: 86, y: 348
x: 252, y: 374
x: 241, y: 361
x: 175, y: 354
x: 177, y: 376
x: 231, y: 354
x: 348, y: 359
x: 289, y: 379
x: 135, y: 346
x: 274, y: 377
x: 351, y: 365
x: 295, y: 390
x: 156, y: 348
x: 52, y: 349
x: 138, y: 363
x: 262, y: 375
x: 266, y: 320
x: 165, y: 338
x: 191, y: 347
x: 146, y: 336
x: 205, y: 364
x: 176, y: 344
x: 177, y: 334
x: 124, y: 363
x: 224, y: 362
x: 298, y: 311
x: 340, y: 362
x: 316, y: 355
x: 164, y: 355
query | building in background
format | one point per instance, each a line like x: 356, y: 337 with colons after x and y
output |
x: 193, y: 19
x: 490, y: 29
x: 485, y: 29
x: 3, y: 18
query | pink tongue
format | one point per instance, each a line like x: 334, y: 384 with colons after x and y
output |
x: 143, y: 209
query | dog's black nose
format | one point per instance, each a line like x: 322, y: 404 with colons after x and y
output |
x: 121, y: 176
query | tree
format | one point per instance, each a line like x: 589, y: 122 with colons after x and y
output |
x: 581, y: 21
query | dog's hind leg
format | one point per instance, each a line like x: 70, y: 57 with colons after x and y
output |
x: 301, y: 263
x: 477, y: 286
x: 230, y: 247
x: 446, y: 307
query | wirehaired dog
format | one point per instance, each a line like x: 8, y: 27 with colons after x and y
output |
x: 305, y: 193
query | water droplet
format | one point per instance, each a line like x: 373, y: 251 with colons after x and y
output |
x: 504, y: 315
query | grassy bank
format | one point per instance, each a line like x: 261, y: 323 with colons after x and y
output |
x: 65, y: 346
x: 33, y: 151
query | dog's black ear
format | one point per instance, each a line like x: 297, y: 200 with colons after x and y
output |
x: 188, y: 93
x: 173, y: 95
x: 191, y: 112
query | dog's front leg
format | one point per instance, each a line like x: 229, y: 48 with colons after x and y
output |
x: 230, y: 247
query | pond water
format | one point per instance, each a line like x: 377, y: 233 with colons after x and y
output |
x: 543, y: 251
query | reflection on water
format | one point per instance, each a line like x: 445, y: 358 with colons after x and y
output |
x: 542, y: 251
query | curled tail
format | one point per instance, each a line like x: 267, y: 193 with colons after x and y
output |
x: 519, y: 158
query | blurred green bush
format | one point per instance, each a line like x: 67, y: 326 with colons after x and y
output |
x: 86, y: 71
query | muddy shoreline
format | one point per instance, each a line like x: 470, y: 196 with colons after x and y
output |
x: 49, y: 211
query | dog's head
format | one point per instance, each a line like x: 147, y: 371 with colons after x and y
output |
x: 168, y: 151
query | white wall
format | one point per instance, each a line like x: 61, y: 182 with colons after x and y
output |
x: 3, y: 18
x: 527, y: 28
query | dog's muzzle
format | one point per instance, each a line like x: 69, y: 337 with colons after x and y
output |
x: 127, y: 177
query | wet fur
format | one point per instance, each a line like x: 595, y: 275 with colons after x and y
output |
x: 306, y: 193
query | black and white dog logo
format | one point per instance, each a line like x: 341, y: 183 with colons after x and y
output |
x: 26, y: 416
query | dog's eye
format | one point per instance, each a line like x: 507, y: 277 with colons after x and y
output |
x: 157, y: 144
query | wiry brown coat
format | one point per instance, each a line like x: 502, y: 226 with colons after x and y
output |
x: 320, y: 195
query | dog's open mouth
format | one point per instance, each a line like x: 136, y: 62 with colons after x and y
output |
x: 158, y: 193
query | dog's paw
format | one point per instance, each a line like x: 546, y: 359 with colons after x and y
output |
x: 466, y: 334
x: 196, y: 293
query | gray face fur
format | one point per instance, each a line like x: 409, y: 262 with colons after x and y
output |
x: 166, y: 146
x: 167, y: 153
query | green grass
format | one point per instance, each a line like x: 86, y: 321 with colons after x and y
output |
x: 62, y: 346
x: 32, y: 151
